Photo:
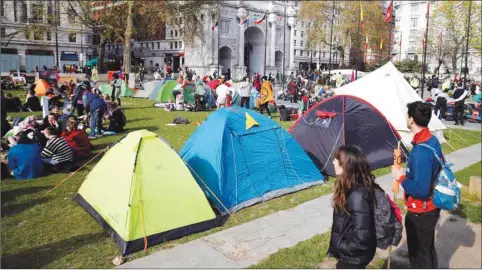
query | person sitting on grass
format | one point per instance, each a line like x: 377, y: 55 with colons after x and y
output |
x: 77, y: 139
x: 32, y: 103
x: 13, y: 104
x: 57, y: 153
x: 24, y: 159
x: 117, y: 119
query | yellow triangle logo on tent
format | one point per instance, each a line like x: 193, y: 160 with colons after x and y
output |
x: 250, y: 122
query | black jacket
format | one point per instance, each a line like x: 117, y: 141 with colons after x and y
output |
x: 353, y: 236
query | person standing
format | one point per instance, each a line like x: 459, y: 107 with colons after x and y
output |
x: 95, y: 76
x: 441, y: 104
x: 96, y: 107
x: 353, y: 239
x: 116, y: 88
x: 265, y: 96
x: 459, y: 98
x: 417, y: 182
x: 245, y: 92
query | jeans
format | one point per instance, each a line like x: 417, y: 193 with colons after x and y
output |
x: 421, y: 239
x: 264, y: 106
x: 94, y: 123
x: 50, y: 161
x: 244, y: 100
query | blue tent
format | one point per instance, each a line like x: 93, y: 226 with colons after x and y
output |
x: 155, y: 91
x: 244, y: 158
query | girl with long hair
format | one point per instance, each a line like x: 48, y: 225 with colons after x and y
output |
x: 353, y: 238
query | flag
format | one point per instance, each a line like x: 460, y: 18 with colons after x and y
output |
x: 279, y: 20
x: 361, y: 14
x: 381, y: 44
x: 352, y: 75
x: 428, y: 9
x: 57, y: 77
x: 260, y: 21
x: 389, y: 13
x: 244, y: 20
x: 214, y: 26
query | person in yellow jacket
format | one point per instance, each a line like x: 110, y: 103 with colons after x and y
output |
x: 265, y: 95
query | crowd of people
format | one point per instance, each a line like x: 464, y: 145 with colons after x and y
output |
x: 34, y: 146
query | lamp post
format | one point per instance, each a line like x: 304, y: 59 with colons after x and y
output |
x: 467, y: 44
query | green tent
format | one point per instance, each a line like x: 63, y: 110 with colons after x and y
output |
x: 125, y: 90
x: 143, y: 193
x: 93, y: 62
x: 165, y: 93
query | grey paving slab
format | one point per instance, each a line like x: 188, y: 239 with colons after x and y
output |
x: 248, y: 243
x: 467, y: 125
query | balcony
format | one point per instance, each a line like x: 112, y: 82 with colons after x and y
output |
x: 35, y: 20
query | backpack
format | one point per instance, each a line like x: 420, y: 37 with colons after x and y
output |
x: 388, y: 220
x: 180, y: 120
x: 446, y: 192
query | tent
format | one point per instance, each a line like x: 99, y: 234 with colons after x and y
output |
x: 165, y: 92
x: 125, y: 90
x: 155, y: 91
x: 41, y: 87
x: 149, y: 196
x: 240, y: 158
x: 388, y: 91
x: 345, y: 120
x: 94, y: 61
x: 148, y: 89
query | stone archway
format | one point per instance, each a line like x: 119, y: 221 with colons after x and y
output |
x: 254, y: 52
x: 225, y: 59
x: 278, y: 62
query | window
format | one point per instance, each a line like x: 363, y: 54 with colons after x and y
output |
x: 295, y: 43
x: 301, y: 52
x: 413, y: 33
x: 23, y: 17
x: 152, y: 45
x: 295, y: 32
x: 71, y: 14
x: 2, y: 9
x: 89, y: 39
x: 302, y: 24
x: 202, y: 17
x: 3, y: 33
x: 414, y: 7
x: 72, y: 37
x: 172, y: 33
x: 180, y: 33
x: 413, y: 22
x: 158, y: 45
x: 180, y: 44
x: 49, y: 35
x: 37, y: 13
x: 50, y: 11
x: 175, y: 33
x: 175, y: 44
x: 171, y: 45
x: 302, y: 43
x: 323, y: 54
x: 294, y: 52
x: 302, y: 33
x: 314, y: 54
x: 108, y: 47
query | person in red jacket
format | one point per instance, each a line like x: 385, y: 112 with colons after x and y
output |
x: 77, y: 139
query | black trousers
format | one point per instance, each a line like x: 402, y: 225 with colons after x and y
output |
x: 441, y: 106
x: 80, y: 109
x: 459, y: 113
x: 245, y: 100
x: 264, y: 106
x: 421, y: 239
x: 342, y: 265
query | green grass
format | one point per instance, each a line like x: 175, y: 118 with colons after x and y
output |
x: 471, y: 206
x: 42, y: 230
x: 306, y: 254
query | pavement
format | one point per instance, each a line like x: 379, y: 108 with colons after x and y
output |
x: 467, y: 125
x: 251, y: 242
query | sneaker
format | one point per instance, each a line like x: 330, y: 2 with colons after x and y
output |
x: 92, y: 137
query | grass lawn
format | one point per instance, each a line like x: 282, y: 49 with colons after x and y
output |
x: 42, y: 230
x: 470, y: 207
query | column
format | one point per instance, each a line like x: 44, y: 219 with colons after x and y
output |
x: 272, y: 45
x: 291, y: 23
x: 241, y: 14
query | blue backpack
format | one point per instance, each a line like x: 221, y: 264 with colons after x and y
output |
x: 446, y: 193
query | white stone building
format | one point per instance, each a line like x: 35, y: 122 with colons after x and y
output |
x: 410, y: 24
x: 76, y: 45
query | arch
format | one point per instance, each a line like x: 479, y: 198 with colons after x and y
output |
x: 278, y: 60
x: 254, y: 49
x: 225, y: 59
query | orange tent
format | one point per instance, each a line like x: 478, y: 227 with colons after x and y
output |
x: 41, y: 87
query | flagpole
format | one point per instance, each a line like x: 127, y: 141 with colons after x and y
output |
x: 331, y: 38
x: 467, y: 46
x: 265, y: 43
x: 400, y: 56
x: 219, y: 71
x: 425, y: 49
x: 390, y: 37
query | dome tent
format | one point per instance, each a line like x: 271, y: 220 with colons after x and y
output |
x: 345, y: 120
x: 244, y: 158
x: 150, y: 197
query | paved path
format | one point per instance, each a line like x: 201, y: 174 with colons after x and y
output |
x: 248, y: 243
x: 467, y: 125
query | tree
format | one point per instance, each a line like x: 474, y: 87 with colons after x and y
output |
x: 409, y: 66
x: 346, y: 26
x: 451, y: 16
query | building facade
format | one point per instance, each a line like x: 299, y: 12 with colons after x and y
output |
x: 56, y: 27
x: 410, y: 24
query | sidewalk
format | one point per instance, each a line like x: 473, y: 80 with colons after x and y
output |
x: 248, y: 243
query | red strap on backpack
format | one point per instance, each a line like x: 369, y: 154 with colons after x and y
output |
x: 396, y: 209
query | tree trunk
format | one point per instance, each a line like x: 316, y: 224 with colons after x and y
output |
x: 127, y: 41
x: 100, y: 60
x: 454, y: 63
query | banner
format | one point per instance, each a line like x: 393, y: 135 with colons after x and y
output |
x: 132, y: 80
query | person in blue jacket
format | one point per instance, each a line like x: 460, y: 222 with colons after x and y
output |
x: 96, y: 107
x: 24, y: 159
x: 417, y: 182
